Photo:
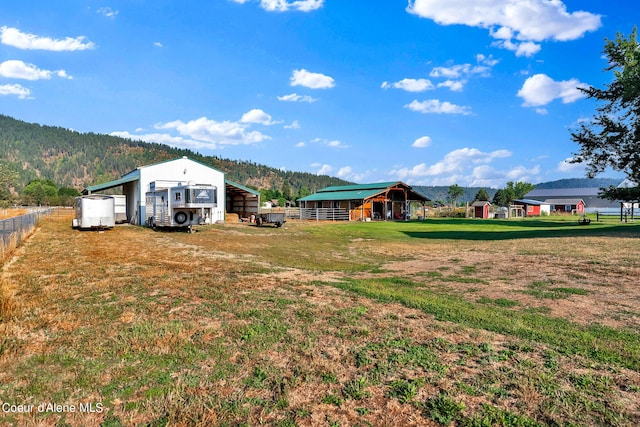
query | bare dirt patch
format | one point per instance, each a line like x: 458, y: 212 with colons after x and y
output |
x: 605, y: 268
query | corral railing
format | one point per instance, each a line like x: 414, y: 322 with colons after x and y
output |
x: 613, y: 213
x: 324, y: 214
x: 15, y: 229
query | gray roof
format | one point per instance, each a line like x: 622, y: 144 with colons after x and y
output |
x: 531, y: 202
x: 562, y: 192
x: 563, y: 201
x: 590, y: 196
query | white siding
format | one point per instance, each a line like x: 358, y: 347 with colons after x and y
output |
x: 183, y: 170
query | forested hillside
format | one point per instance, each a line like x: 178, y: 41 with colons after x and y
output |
x: 73, y: 159
x: 580, y: 183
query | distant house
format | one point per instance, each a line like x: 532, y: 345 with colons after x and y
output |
x: 364, y: 202
x: 589, y: 196
x: 532, y: 207
x: 269, y: 204
x: 481, y: 209
x: 567, y: 205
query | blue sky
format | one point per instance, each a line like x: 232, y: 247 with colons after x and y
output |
x: 429, y: 92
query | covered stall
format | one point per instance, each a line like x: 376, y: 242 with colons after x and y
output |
x: 362, y: 202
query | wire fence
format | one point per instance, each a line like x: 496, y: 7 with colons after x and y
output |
x: 15, y: 229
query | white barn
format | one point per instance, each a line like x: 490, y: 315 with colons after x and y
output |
x: 180, y: 171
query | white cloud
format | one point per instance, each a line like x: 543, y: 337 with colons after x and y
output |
x: 214, y: 132
x: 294, y: 125
x: 456, y: 76
x: 205, y: 133
x: 487, y: 176
x: 333, y: 143
x: 294, y: 97
x: 489, y: 61
x: 324, y: 169
x: 345, y: 172
x: 257, y: 116
x: 410, y: 85
x: 311, y: 80
x: 158, y: 44
x: 108, y: 12
x: 526, y: 21
x: 15, y: 89
x: 15, y: 69
x: 455, y: 162
x: 435, y: 106
x: 540, y: 90
x: 566, y: 166
x: 348, y: 174
x: 481, y: 69
x: 286, y: 5
x: 521, y: 49
x: 521, y: 173
x: 453, y: 72
x: 16, y: 38
x: 453, y: 85
x: 422, y: 142
x: 467, y: 167
x: 163, y: 138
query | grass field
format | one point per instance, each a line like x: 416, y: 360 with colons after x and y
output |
x: 441, y: 322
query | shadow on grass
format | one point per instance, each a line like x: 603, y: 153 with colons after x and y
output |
x: 510, y: 229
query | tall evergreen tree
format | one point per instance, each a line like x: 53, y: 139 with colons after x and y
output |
x: 481, y: 195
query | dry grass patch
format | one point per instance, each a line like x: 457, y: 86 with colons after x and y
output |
x: 10, y: 213
x: 237, y: 325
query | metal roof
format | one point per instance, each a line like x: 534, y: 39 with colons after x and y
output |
x: 357, y: 192
x: 341, y: 195
x: 562, y: 192
x: 531, y: 202
x: 241, y: 187
x: 375, y: 186
x: 563, y: 201
x: 130, y: 177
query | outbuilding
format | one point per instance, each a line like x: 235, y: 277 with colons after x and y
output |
x: 590, y: 197
x: 177, y: 172
x: 361, y: 202
x: 481, y: 209
x: 532, y: 207
x: 575, y: 206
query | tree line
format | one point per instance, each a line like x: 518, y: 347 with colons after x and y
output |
x: 502, y: 197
